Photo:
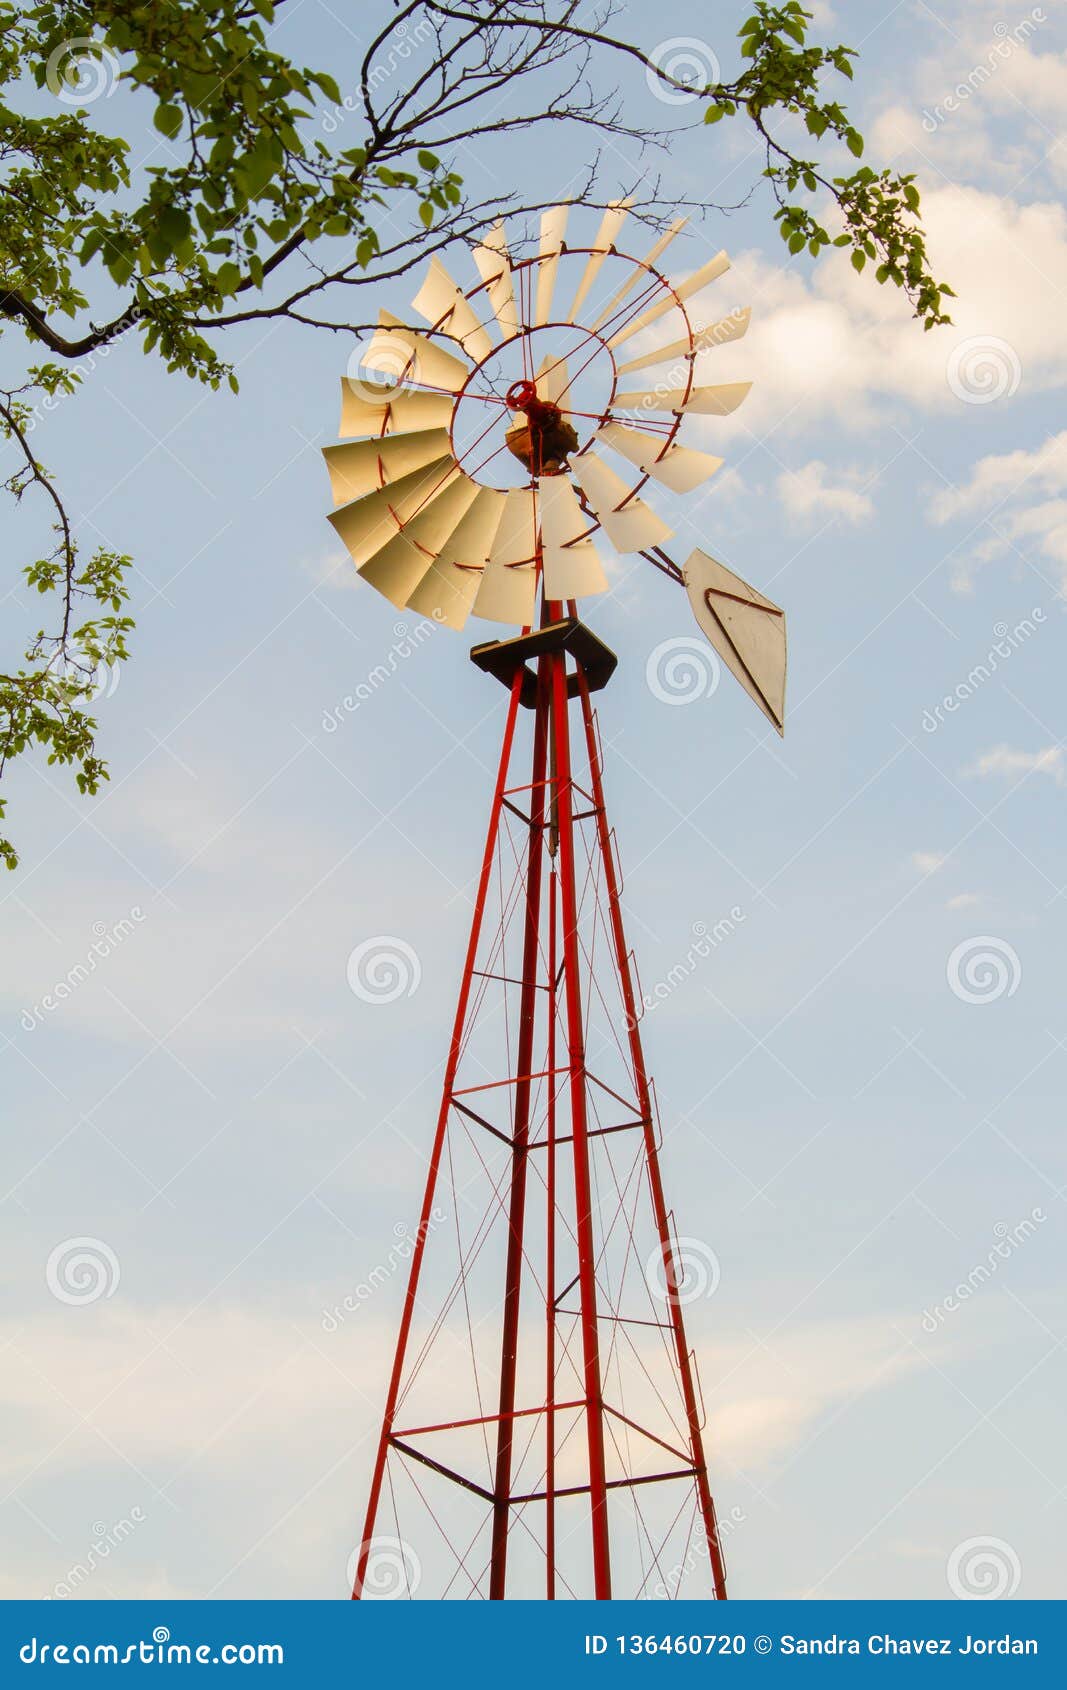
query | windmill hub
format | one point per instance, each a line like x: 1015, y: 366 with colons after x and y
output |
x: 545, y: 440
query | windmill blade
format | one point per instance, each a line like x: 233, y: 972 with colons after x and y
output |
x: 398, y: 567
x: 553, y: 229
x: 398, y: 409
x: 640, y: 271
x: 610, y: 225
x: 701, y: 402
x: 576, y: 572
x: 367, y: 524
x: 494, y: 267
x: 628, y: 522
x: 747, y: 631
x: 509, y: 585
x: 562, y: 517
x: 716, y: 334
x: 552, y: 379
x: 447, y: 590
x: 362, y: 466
x: 442, y: 302
x: 678, y: 467
x: 680, y: 292
x: 408, y: 356
x: 571, y: 564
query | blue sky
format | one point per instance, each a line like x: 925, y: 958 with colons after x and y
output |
x: 855, y: 1117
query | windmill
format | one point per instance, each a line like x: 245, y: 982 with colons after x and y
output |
x: 543, y: 1425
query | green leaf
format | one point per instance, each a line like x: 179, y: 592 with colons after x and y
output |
x: 174, y: 226
x: 168, y: 120
x: 227, y: 279
x: 120, y: 269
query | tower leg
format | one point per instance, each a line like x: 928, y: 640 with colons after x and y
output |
x: 520, y: 1148
x: 594, y: 1402
x: 455, y: 1048
x: 655, y: 1181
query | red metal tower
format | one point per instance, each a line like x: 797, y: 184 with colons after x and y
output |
x: 542, y: 1433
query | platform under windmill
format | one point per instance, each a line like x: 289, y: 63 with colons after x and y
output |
x: 543, y: 1428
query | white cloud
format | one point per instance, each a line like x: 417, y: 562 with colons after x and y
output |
x: 1000, y: 477
x: 1002, y: 760
x: 998, y: 489
x: 979, y: 70
x: 806, y: 494
x: 773, y: 1395
x: 328, y: 567
x: 927, y: 862
x: 826, y: 342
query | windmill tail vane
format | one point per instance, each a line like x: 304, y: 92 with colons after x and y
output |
x: 543, y: 1426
